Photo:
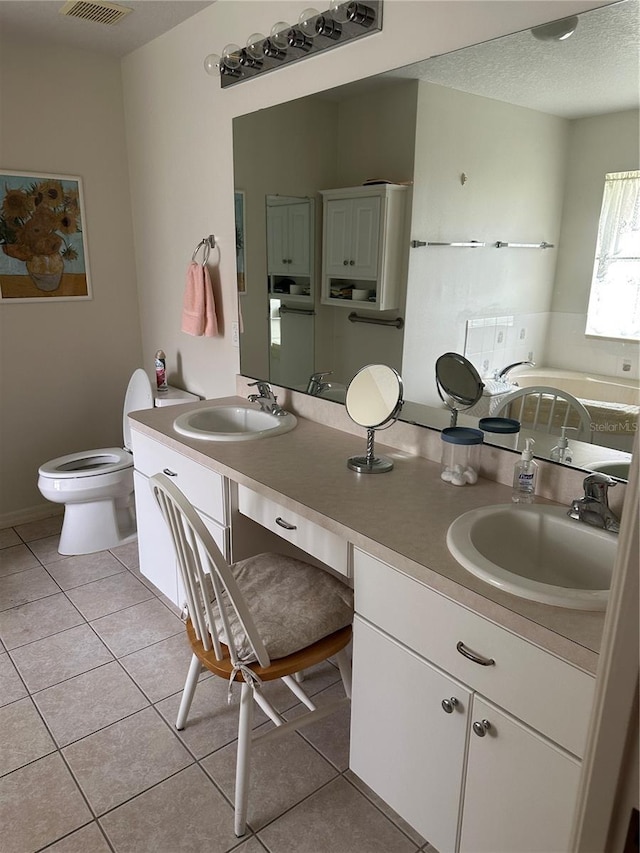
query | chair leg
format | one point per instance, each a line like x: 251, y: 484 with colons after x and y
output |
x: 243, y: 761
x: 344, y: 665
x: 188, y: 691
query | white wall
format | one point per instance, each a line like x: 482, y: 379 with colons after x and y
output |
x: 180, y: 140
x: 513, y: 159
x: 600, y: 144
x: 64, y: 366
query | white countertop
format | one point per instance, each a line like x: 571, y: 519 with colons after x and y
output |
x: 401, y: 516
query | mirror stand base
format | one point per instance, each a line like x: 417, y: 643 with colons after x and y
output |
x: 366, y: 465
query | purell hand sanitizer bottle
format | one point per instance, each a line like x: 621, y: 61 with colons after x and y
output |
x: 525, y: 473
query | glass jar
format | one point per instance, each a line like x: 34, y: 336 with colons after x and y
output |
x: 460, y: 455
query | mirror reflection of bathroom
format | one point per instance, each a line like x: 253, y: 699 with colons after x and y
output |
x: 458, y: 383
x: 373, y: 400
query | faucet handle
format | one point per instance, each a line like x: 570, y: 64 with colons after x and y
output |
x: 597, y: 485
x: 263, y: 387
x: 318, y: 377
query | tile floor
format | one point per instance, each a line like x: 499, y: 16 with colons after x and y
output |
x: 92, y: 663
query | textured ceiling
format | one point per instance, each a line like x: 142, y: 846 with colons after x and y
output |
x: 595, y: 71
x: 39, y: 21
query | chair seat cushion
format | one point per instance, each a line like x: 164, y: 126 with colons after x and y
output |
x: 293, y: 604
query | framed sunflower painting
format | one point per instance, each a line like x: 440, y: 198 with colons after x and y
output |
x: 44, y: 250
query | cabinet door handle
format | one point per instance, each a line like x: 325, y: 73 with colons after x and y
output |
x: 481, y: 728
x: 474, y: 657
x: 352, y: 263
x: 346, y: 263
x: 169, y: 472
x: 449, y: 704
x: 285, y: 524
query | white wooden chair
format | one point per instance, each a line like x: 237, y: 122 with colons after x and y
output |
x: 547, y: 409
x: 264, y: 618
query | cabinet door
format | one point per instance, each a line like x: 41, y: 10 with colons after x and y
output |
x: 520, y: 789
x: 403, y: 743
x: 298, y: 255
x: 277, y: 240
x: 365, y: 237
x: 155, y: 546
x: 337, y: 237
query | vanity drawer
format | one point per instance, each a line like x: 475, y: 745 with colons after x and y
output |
x: 202, y: 487
x: 304, y: 534
x: 549, y: 694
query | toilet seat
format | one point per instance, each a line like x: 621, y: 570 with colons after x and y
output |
x: 90, y: 463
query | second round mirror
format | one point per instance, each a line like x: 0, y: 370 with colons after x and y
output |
x: 373, y: 400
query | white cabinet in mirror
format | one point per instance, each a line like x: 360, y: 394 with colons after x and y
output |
x: 528, y: 142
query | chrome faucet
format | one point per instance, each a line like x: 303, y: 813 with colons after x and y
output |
x: 266, y: 399
x: 316, y: 384
x: 594, y: 508
x: 504, y: 373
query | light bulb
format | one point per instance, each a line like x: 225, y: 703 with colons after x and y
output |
x: 254, y: 45
x: 278, y: 35
x: 307, y: 22
x: 338, y: 10
x: 212, y: 64
x: 231, y: 56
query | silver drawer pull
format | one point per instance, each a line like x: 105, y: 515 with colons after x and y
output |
x: 285, y: 524
x: 169, y: 472
x: 481, y: 728
x: 474, y: 657
x: 449, y: 704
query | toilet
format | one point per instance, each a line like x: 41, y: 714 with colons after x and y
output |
x: 96, y: 486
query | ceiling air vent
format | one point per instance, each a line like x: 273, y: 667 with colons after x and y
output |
x: 98, y: 10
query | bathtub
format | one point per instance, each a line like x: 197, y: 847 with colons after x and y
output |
x: 612, y: 402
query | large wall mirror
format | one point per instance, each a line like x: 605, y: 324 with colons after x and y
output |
x: 505, y: 147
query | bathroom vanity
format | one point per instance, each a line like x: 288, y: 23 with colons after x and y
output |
x: 470, y: 706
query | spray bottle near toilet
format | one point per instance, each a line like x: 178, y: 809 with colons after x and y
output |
x: 161, y: 370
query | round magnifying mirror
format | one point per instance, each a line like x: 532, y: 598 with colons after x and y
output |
x: 458, y: 383
x: 373, y: 399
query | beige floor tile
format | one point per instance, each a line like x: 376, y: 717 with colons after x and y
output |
x: 160, y: 669
x: 184, y: 813
x: 39, y: 529
x: 283, y: 772
x: 89, y: 839
x: 251, y: 846
x: 38, y: 619
x: 23, y: 736
x: 384, y: 807
x: 336, y: 819
x: 46, y: 549
x: 16, y: 558
x: 330, y: 735
x: 212, y: 723
x: 30, y: 820
x: 25, y: 586
x: 71, y: 572
x: 108, y: 595
x: 138, y: 626
x: 9, y: 537
x: 59, y: 657
x: 11, y: 686
x: 118, y: 762
x: 127, y: 555
x: 82, y: 705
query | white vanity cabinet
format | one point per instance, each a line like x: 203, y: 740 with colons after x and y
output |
x: 363, y: 246
x: 205, y: 489
x: 506, y: 787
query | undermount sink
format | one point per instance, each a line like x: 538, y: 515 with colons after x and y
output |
x: 536, y: 552
x: 232, y: 423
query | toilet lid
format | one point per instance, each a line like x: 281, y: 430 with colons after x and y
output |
x: 138, y: 396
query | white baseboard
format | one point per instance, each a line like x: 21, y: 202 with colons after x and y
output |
x: 24, y: 516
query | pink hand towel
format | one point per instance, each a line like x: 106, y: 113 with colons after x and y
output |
x: 198, y: 307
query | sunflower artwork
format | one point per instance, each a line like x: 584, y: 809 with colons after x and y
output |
x: 41, y: 235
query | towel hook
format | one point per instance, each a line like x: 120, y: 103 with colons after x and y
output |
x: 208, y: 243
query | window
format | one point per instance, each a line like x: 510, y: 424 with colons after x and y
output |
x: 614, y: 302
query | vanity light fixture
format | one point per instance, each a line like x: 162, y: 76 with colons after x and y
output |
x: 556, y: 30
x: 314, y: 32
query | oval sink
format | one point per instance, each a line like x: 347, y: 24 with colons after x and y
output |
x: 232, y: 423
x: 614, y: 468
x: 536, y: 552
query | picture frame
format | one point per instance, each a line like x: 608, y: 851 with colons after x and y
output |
x: 239, y: 207
x: 43, y: 244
